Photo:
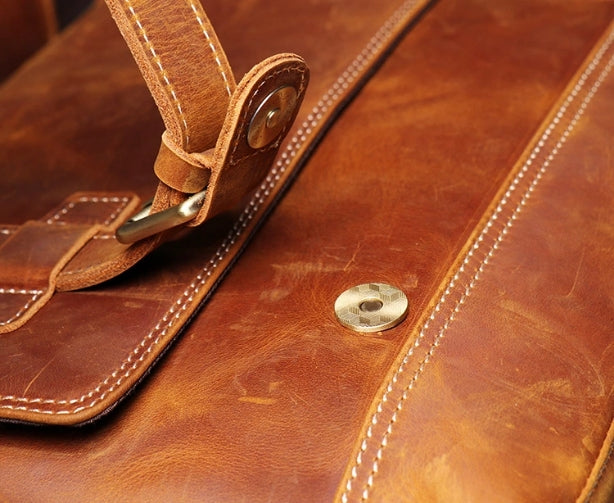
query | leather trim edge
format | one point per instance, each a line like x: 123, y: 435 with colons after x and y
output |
x: 602, y: 470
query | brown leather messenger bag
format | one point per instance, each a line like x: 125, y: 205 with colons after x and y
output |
x: 372, y: 260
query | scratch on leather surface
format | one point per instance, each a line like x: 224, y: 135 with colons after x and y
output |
x: 460, y: 287
x: 305, y: 132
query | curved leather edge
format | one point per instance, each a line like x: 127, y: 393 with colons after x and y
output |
x: 600, y: 483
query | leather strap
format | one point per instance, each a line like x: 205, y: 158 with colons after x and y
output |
x: 189, y: 76
x: 208, y: 119
x: 183, y: 64
x: 190, y: 79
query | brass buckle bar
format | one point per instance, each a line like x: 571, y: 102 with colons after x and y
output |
x: 145, y: 224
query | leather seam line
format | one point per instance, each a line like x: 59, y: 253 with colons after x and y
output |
x: 306, y: 129
x: 62, y: 212
x: 157, y: 63
x: 495, y: 217
x: 602, y: 464
x: 212, y: 47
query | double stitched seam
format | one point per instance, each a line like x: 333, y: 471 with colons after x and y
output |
x: 57, y: 219
x: 352, y: 72
x: 486, y: 233
x: 140, y: 352
x: 34, y: 295
x: 157, y: 63
x: 214, y: 50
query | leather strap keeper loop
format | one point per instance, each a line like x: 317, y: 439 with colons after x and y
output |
x: 180, y: 170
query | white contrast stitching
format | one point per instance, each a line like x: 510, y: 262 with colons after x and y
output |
x: 34, y: 296
x: 212, y: 47
x: 62, y: 212
x: 19, y: 291
x: 313, y: 119
x: 486, y: 233
x: 57, y: 219
x: 158, y: 63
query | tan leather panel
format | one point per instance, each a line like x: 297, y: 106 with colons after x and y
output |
x: 33, y: 255
x: 24, y: 28
x: 30, y: 261
x: 509, y: 376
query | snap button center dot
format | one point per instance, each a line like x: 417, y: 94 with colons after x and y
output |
x: 371, y: 305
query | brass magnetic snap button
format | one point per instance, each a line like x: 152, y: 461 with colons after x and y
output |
x: 371, y: 307
x: 271, y: 116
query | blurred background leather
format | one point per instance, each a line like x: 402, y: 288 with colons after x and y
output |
x: 25, y: 26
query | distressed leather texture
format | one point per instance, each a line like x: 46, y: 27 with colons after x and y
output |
x: 473, y: 170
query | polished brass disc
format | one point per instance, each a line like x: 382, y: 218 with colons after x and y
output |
x: 371, y: 307
x: 271, y: 117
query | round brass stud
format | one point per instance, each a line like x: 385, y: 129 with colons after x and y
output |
x: 271, y: 116
x: 371, y: 307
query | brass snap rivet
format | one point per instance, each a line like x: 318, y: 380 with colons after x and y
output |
x: 371, y: 307
x: 271, y: 116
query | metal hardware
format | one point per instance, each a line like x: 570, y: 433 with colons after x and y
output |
x: 371, y: 307
x: 271, y: 116
x: 144, y: 224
